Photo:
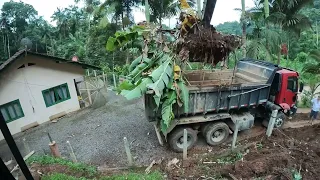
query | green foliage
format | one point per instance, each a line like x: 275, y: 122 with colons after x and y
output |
x: 59, y: 176
x: 231, y: 159
x: 296, y: 175
x: 306, y: 99
x: 184, y: 96
x: 123, y: 38
x: 152, y: 72
x: 259, y: 146
x: 135, y: 176
x: 78, y: 167
x: 166, y: 112
x: 232, y: 28
x: 133, y: 93
x: 161, y: 78
x: 131, y: 176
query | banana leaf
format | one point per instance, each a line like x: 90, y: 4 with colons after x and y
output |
x: 138, y: 91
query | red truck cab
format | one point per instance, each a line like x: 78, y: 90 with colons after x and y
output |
x: 284, y: 90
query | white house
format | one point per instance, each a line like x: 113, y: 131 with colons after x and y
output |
x: 35, y: 88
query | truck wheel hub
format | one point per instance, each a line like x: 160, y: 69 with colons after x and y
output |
x: 218, y: 135
x: 278, y: 122
x: 180, y: 141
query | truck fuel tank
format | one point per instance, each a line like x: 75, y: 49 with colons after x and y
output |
x: 244, y: 120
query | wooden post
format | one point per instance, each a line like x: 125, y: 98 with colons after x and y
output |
x: 95, y: 73
x: 72, y: 155
x: 235, y: 136
x: 185, y: 144
x: 271, y: 122
x: 128, y: 152
x: 88, y: 91
x: 54, y: 149
x: 114, y: 80
x: 26, y: 146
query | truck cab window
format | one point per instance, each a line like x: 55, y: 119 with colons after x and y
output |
x: 292, y: 84
x: 275, y: 86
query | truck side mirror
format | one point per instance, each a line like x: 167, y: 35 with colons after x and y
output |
x: 301, y: 87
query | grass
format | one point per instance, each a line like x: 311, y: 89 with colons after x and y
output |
x: 259, y: 146
x: 131, y: 176
x: 58, y: 176
x: 232, y: 158
x: 135, y: 176
x: 78, y: 167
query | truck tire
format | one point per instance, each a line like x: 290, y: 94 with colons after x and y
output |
x: 278, y: 123
x: 216, y: 133
x: 175, y: 139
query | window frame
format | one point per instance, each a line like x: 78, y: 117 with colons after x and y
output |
x: 55, y: 94
x: 295, y: 80
x: 12, y: 103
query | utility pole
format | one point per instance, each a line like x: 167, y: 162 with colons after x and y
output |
x: 199, y: 9
x: 147, y: 11
x: 317, y: 34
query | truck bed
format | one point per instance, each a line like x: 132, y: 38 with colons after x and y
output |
x: 222, y: 91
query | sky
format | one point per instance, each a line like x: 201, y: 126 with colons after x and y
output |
x: 224, y: 10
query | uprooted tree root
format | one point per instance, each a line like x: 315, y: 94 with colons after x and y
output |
x: 207, y: 45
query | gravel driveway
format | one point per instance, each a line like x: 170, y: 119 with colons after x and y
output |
x: 96, y: 135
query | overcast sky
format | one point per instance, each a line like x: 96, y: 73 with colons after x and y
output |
x: 223, y: 12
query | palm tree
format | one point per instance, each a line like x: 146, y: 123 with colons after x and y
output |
x: 313, y: 68
x: 122, y: 10
x: 286, y: 14
x: 165, y: 9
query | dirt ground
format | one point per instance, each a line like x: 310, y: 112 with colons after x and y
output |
x: 287, y: 154
x: 290, y: 154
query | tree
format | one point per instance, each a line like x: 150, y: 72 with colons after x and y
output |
x: 165, y: 9
x: 230, y: 28
x: 244, y: 28
x: 286, y: 14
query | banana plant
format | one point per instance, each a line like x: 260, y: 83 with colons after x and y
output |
x: 155, y: 70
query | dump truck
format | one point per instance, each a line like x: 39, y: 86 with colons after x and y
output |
x: 218, y: 100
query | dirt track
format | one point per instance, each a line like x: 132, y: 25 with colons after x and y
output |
x: 287, y: 153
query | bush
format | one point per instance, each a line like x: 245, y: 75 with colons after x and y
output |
x: 306, y: 99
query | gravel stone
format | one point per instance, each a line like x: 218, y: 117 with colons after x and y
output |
x: 96, y: 134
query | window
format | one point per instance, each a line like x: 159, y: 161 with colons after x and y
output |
x: 56, y: 95
x: 11, y: 111
x: 293, y: 84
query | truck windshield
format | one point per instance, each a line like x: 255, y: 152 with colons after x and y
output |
x: 292, y: 84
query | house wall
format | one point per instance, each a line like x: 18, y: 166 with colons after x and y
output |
x: 26, y: 84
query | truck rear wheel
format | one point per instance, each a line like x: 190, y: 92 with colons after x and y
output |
x: 175, y: 139
x: 279, y: 122
x: 216, y: 133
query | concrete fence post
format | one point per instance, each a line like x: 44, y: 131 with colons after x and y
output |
x: 26, y: 146
x: 128, y: 152
x: 114, y: 80
x: 271, y: 122
x: 72, y: 155
x: 235, y: 136
x: 185, y: 144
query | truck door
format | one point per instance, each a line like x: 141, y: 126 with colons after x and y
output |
x: 290, y: 95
